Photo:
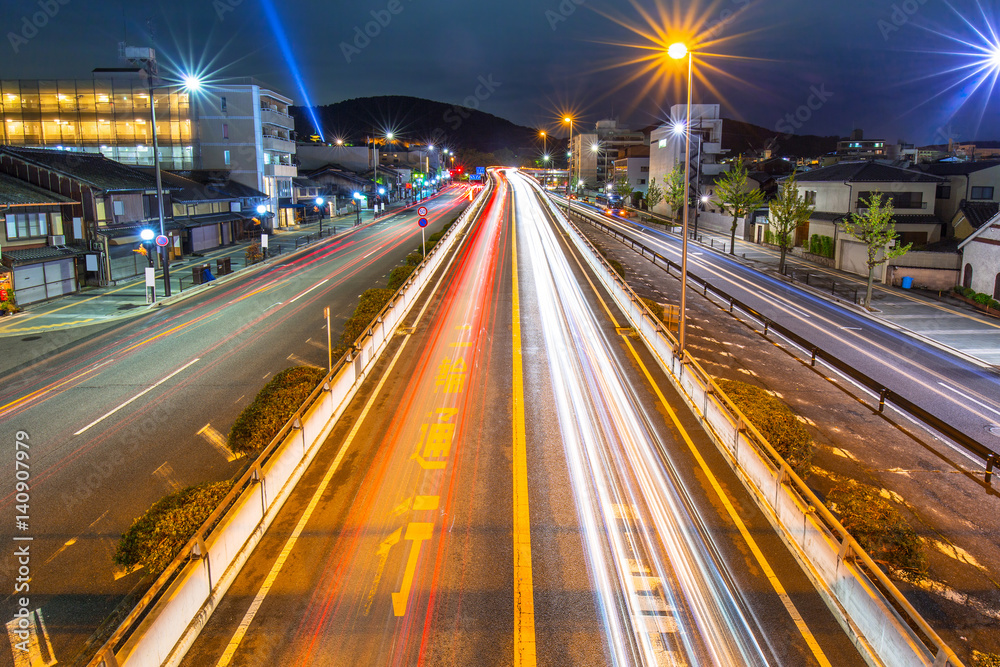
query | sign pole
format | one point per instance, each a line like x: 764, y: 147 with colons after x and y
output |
x: 329, y: 341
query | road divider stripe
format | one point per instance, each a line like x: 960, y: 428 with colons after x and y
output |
x: 136, y: 397
x: 524, y: 602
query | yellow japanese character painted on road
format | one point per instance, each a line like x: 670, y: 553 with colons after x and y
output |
x: 434, y: 446
x: 451, y: 375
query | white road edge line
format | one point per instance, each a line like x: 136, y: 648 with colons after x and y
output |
x: 137, y: 396
x: 969, y: 398
x: 317, y: 285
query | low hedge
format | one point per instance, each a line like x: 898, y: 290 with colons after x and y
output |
x: 980, y: 659
x: 654, y: 308
x: 880, y: 529
x: 272, y: 407
x: 370, y: 305
x: 775, y: 421
x: 155, y: 538
x: 399, y: 275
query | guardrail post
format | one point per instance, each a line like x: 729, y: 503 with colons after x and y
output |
x: 812, y: 362
x: 767, y: 325
x: 833, y: 288
x: 881, y: 400
x: 989, y: 469
x: 807, y: 278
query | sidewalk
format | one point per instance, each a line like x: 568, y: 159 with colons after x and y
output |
x: 947, y: 323
x: 96, y: 305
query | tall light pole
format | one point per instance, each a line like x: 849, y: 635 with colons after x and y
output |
x: 569, y: 157
x: 320, y: 202
x: 677, y: 52
x: 190, y: 84
x: 545, y: 146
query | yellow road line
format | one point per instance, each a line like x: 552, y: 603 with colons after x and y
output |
x: 800, y: 624
x: 69, y: 305
x: 524, y: 601
x: 265, y: 588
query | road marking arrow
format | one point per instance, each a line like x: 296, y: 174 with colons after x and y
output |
x: 416, y: 533
x: 382, y: 554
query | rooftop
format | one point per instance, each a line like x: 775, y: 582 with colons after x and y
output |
x: 15, y: 192
x: 91, y: 168
x: 866, y: 172
x: 957, y: 168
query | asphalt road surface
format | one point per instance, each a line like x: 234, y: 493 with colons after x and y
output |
x: 120, y: 418
x: 519, y: 485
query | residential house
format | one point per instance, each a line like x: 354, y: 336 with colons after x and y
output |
x: 202, y: 217
x: 981, y: 258
x: 967, y: 186
x: 116, y: 202
x: 843, y: 189
x: 32, y: 244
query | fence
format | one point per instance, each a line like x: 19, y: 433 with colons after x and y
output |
x: 883, y: 624
x: 967, y: 442
x: 168, y: 618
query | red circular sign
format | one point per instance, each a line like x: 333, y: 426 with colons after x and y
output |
x: 422, y: 211
x: 422, y: 222
x: 162, y: 240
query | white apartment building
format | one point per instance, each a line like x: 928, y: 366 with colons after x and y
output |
x: 666, y: 146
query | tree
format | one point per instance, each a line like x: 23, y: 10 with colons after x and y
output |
x: 654, y: 195
x: 675, y: 194
x: 877, y: 230
x: 624, y: 188
x: 732, y: 195
x: 785, y: 215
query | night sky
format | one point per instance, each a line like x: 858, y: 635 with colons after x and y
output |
x: 879, y: 65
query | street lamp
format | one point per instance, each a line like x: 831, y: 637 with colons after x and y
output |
x: 190, y: 83
x: 569, y: 158
x: 357, y: 207
x: 319, y: 204
x: 545, y: 146
x: 679, y: 51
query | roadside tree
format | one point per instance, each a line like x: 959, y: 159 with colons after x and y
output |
x: 785, y: 215
x: 877, y: 230
x: 733, y: 196
x: 675, y: 194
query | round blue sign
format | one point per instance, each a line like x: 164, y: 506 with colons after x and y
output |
x: 423, y: 222
x: 162, y: 240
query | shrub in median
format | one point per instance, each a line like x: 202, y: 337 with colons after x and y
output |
x: 775, y: 421
x: 272, y: 407
x: 654, y: 308
x: 371, y: 304
x: 157, y: 536
x: 398, y: 276
x: 880, y: 529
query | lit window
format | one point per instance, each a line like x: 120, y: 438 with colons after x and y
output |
x: 225, y: 157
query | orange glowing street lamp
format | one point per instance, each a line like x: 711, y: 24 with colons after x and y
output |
x: 679, y: 51
x: 569, y: 165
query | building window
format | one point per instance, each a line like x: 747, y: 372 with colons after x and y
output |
x: 982, y: 193
x: 642, y: 181
x: 810, y: 197
x: 944, y: 192
x: 222, y: 103
x: 644, y: 170
x: 26, y: 225
x: 225, y: 157
x: 898, y: 199
x: 118, y: 206
x: 225, y: 130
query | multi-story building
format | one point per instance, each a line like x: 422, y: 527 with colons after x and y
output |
x: 968, y: 187
x: 238, y: 125
x: 634, y: 166
x: 593, y: 154
x: 666, y: 147
x: 858, y: 148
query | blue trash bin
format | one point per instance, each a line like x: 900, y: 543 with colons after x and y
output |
x: 907, y: 282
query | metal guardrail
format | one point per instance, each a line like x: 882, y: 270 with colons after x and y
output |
x: 904, y: 405
x: 196, y: 547
x: 689, y: 369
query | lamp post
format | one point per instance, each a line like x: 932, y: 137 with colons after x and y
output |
x: 677, y: 52
x: 569, y: 158
x: 320, y: 205
x: 545, y: 147
x: 357, y: 207
x: 190, y: 84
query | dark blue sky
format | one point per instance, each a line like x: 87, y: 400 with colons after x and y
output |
x: 875, y: 64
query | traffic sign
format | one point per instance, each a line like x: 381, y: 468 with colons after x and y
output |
x: 162, y: 241
x: 423, y: 222
x: 480, y: 170
x: 422, y: 212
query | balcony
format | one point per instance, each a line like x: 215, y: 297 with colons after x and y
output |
x: 278, y: 144
x: 270, y: 116
x: 281, y: 170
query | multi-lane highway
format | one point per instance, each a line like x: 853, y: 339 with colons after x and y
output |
x: 520, y: 486
x: 136, y: 411
x: 962, y: 393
